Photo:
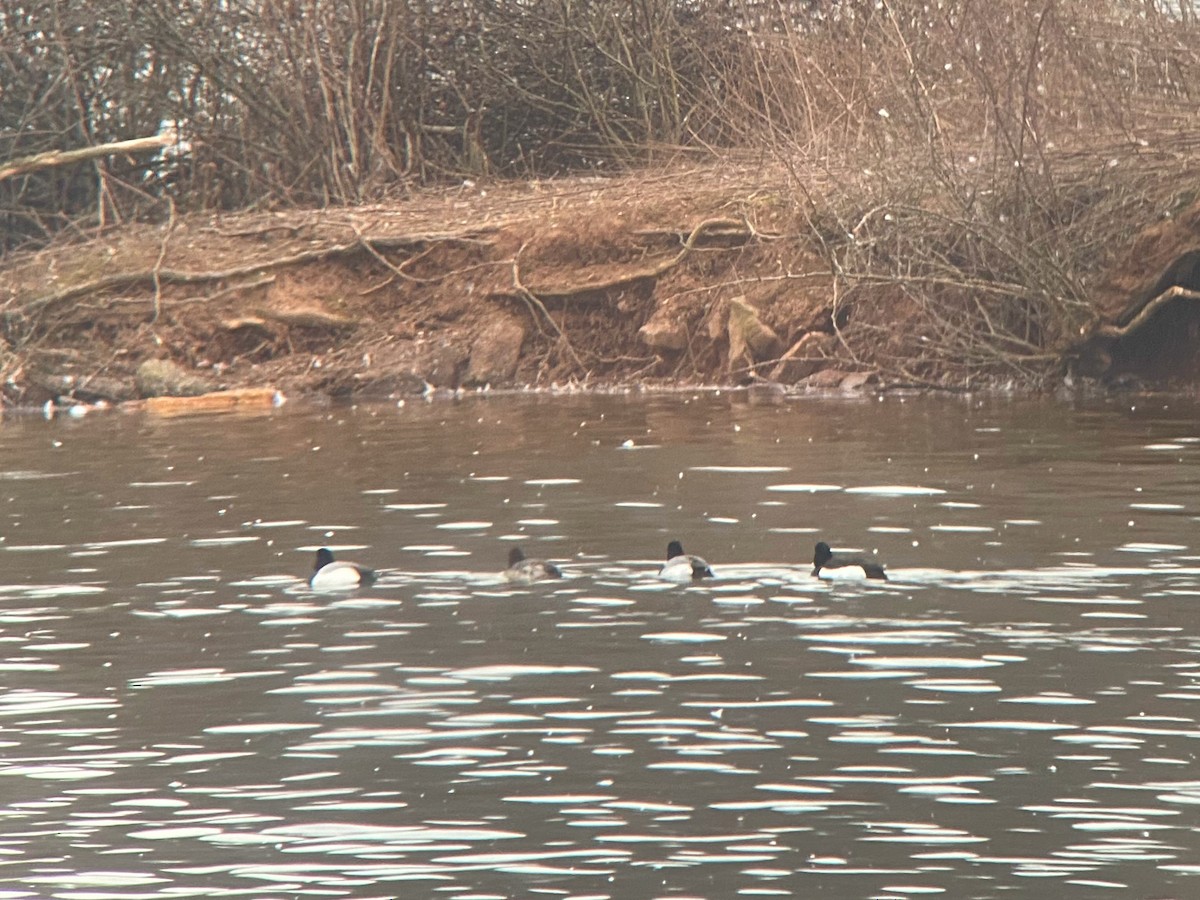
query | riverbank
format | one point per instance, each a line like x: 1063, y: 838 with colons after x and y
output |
x: 711, y: 274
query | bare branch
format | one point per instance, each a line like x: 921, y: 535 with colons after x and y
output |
x: 26, y: 164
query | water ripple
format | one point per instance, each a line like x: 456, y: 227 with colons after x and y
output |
x: 1015, y: 707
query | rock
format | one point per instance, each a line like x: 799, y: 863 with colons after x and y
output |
x: 830, y: 379
x: 164, y: 378
x: 856, y: 381
x: 98, y: 387
x: 660, y: 334
x: 806, y: 356
x: 40, y: 386
x: 405, y: 368
x: 766, y: 392
x: 375, y: 384
x: 748, y: 336
x: 826, y: 379
x: 495, y: 353
x: 443, y: 363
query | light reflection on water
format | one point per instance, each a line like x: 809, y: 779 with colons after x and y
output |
x: 181, y: 716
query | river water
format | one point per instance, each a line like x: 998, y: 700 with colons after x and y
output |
x: 1013, y: 713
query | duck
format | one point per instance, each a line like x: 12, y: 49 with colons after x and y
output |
x: 529, y: 570
x: 338, y: 575
x: 681, y: 567
x: 824, y: 558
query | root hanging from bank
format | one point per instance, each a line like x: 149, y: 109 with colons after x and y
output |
x: 158, y: 275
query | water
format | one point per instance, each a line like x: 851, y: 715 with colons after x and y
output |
x: 1015, y: 711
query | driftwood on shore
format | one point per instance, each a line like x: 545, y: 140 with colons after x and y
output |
x: 217, y: 401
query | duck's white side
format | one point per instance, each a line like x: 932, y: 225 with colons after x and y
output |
x: 682, y: 567
x: 331, y: 574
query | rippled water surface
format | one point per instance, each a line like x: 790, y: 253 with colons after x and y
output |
x: 1014, y: 713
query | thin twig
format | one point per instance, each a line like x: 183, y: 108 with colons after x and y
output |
x: 397, y: 270
x: 238, y: 288
x: 162, y: 254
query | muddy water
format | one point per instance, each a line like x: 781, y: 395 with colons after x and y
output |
x: 1013, y: 713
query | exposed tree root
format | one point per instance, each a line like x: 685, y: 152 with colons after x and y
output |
x: 157, y: 275
x: 563, y: 292
x: 306, y: 318
x: 531, y: 300
x: 1147, y: 312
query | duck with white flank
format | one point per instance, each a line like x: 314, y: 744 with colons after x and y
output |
x: 681, y: 567
x: 824, y: 558
x: 528, y: 571
x: 338, y: 575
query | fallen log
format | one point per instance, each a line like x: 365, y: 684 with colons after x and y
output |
x: 25, y: 164
x: 217, y: 401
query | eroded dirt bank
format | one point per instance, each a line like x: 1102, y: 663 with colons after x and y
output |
x: 693, y: 275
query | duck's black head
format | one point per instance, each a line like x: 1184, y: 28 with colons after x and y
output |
x: 515, y: 555
x: 822, y: 554
x: 674, y: 549
x: 324, y: 558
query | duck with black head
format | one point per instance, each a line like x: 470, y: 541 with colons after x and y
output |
x: 331, y: 574
x: 824, y: 558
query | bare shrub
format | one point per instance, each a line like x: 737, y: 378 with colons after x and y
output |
x: 75, y: 75
x: 329, y: 101
x: 337, y: 101
x: 975, y: 164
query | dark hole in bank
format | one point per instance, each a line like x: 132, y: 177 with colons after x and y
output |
x: 1167, y: 346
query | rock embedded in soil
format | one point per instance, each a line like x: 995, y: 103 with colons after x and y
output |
x: 99, y: 387
x: 829, y: 379
x: 495, y: 353
x: 660, y: 334
x: 808, y: 355
x: 41, y: 386
x: 403, y: 368
x: 856, y: 381
x: 165, y: 378
x: 749, y: 336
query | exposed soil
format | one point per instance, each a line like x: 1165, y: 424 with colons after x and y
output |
x: 686, y: 276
